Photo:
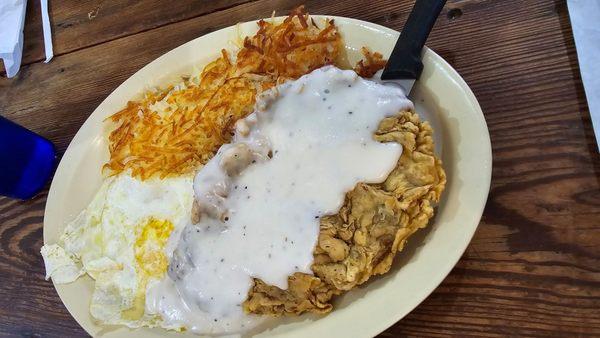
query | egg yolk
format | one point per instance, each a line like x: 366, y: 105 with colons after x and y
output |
x: 149, y: 254
x: 150, y: 259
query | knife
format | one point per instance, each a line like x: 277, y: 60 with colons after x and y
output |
x: 404, y: 65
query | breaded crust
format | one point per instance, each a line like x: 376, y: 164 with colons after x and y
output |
x: 372, y: 226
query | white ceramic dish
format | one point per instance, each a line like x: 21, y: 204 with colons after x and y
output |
x: 370, y: 309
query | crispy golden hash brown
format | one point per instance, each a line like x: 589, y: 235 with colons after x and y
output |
x: 371, y: 63
x: 172, y: 131
x: 372, y: 226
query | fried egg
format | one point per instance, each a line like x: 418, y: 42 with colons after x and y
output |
x: 123, y: 240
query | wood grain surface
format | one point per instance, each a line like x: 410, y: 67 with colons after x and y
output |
x: 533, y: 267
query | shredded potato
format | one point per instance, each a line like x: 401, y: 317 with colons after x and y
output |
x: 370, y: 64
x: 175, y: 130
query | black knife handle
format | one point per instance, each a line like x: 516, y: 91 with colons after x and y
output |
x: 405, y: 61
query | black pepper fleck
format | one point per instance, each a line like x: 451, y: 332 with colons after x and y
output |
x: 350, y: 113
x: 246, y: 187
x: 326, y: 91
x: 222, y: 260
x: 324, y: 99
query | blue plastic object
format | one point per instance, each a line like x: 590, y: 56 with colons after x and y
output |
x: 26, y: 160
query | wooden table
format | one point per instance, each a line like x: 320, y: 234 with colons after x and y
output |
x: 533, y: 267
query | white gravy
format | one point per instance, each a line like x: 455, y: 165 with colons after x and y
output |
x: 260, y: 198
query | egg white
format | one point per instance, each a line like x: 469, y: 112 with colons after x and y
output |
x: 123, y: 240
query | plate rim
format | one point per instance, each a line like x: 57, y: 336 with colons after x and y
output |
x: 488, y: 161
x: 448, y: 266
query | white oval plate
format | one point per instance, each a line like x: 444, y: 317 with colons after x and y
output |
x: 441, y: 93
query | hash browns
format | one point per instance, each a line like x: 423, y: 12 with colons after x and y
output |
x: 171, y: 132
